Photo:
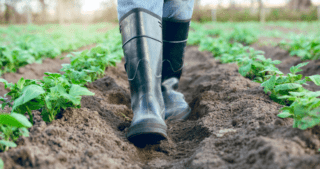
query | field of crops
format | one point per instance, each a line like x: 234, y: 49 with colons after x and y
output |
x: 254, y: 92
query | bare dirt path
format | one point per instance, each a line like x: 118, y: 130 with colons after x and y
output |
x: 233, y: 125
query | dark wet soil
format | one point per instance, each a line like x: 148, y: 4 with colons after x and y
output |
x: 233, y: 125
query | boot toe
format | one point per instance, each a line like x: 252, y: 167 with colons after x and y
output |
x: 147, y: 131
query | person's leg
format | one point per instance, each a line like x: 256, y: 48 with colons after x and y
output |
x: 154, y: 6
x: 175, y: 26
x: 142, y: 46
x: 178, y: 10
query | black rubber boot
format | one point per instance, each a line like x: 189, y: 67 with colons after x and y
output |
x: 175, y: 34
x: 142, y: 46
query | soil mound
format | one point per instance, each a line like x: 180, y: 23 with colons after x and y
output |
x: 233, y: 125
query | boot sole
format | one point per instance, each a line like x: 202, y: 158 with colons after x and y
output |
x: 180, y: 117
x: 147, y: 133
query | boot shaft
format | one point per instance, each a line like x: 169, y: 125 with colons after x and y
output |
x: 142, y: 45
x: 175, y: 34
x: 140, y: 23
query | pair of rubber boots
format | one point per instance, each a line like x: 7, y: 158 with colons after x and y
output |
x: 153, y: 51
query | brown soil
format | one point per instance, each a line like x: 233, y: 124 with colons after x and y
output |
x: 276, y: 53
x: 233, y: 125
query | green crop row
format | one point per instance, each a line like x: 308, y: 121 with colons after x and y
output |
x: 12, y: 33
x: 300, y: 104
x: 17, y: 51
x: 55, y: 92
x: 239, y: 34
x: 307, y: 48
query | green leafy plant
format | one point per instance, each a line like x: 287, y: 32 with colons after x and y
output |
x: 12, y: 126
x: 21, y: 89
x: 282, y: 85
x: 52, y: 93
x: 25, y: 48
x: 304, y: 110
x: 307, y: 48
x: 56, y: 91
x: 244, y: 36
x: 254, y: 65
x: 87, y: 66
x: 301, y: 104
x: 217, y: 46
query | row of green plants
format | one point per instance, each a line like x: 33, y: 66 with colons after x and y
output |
x: 246, y: 14
x: 226, y: 32
x: 305, y: 47
x: 55, y: 92
x: 19, y: 50
x: 287, y: 89
x: 12, y: 33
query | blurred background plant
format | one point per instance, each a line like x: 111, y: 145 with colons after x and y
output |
x: 257, y: 10
x: 85, y: 11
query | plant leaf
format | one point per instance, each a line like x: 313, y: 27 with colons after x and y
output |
x: 48, y: 102
x: 295, y: 69
x: 315, y: 79
x: 24, y: 132
x: 272, y: 69
x: 243, y: 70
x: 8, y: 143
x: 298, y: 94
x: 77, y: 90
x: 20, y: 83
x: 6, y: 84
x: 269, y: 84
x: 3, y: 81
x: 14, y: 119
x: 28, y: 93
x: 62, y: 92
x: 1, y: 164
x: 285, y: 114
x: 287, y: 86
x: 313, y: 94
x: 311, y: 120
x: 276, y: 62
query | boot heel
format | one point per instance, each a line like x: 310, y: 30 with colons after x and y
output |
x: 150, y: 132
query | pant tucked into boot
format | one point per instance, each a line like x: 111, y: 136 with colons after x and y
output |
x: 141, y: 32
